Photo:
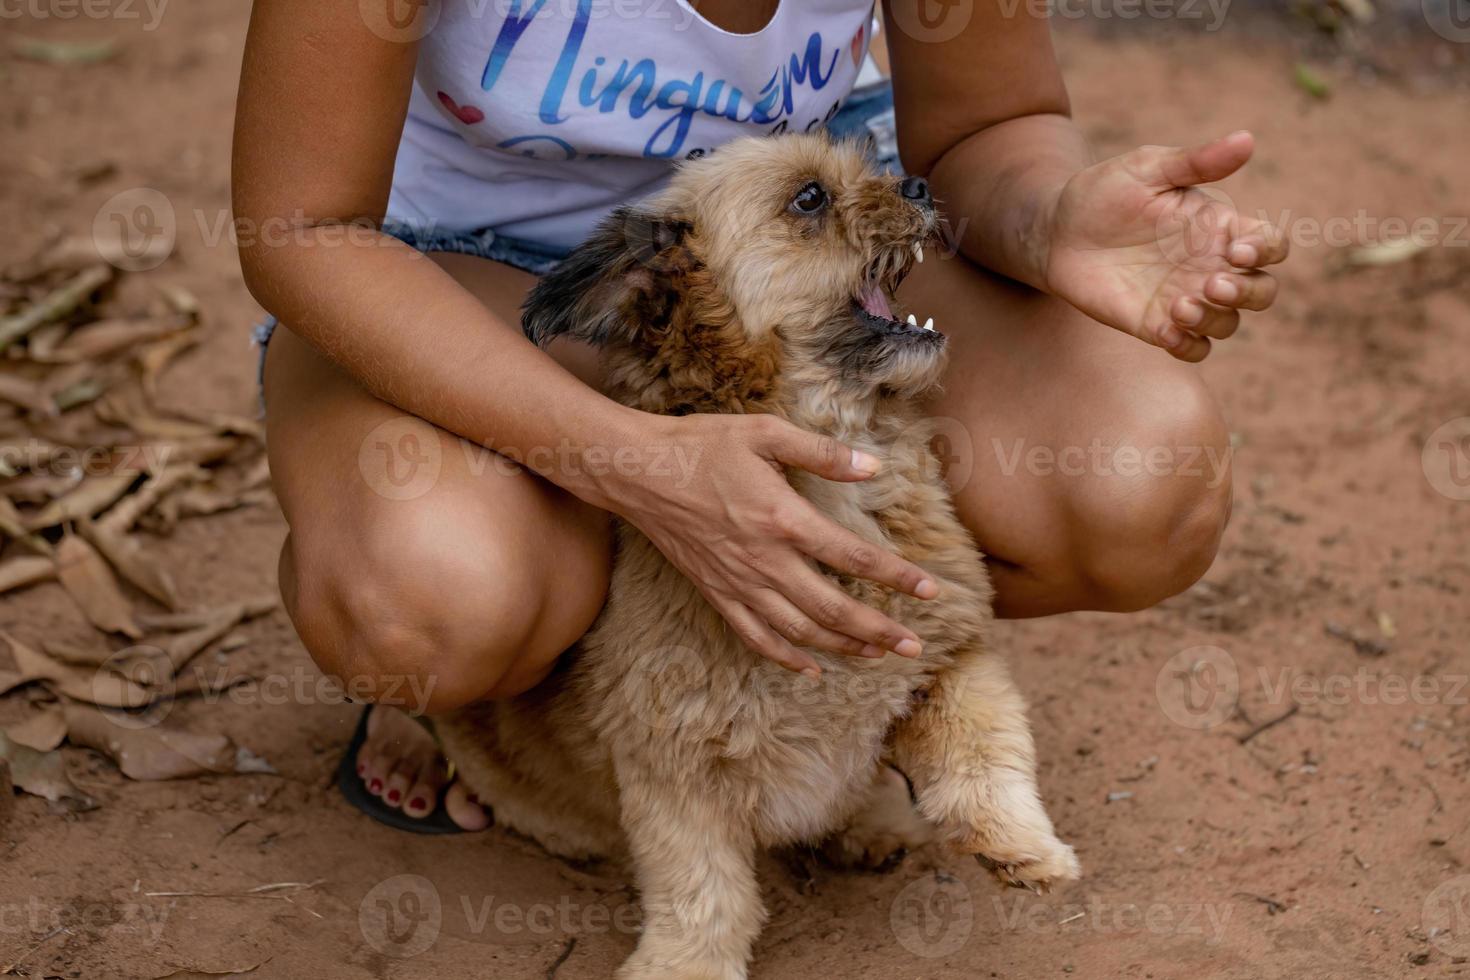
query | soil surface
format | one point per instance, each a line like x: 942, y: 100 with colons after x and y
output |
x: 1330, y: 844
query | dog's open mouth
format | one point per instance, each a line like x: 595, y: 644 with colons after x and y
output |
x: 873, y: 307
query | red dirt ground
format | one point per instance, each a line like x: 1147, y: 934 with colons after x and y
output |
x: 1331, y: 845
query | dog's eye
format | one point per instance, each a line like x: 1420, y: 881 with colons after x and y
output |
x: 811, y: 199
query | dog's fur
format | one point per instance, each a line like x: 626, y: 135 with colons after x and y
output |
x: 663, y: 738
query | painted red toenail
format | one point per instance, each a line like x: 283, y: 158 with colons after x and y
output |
x: 394, y: 796
x: 418, y: 804
x: 376, y: 786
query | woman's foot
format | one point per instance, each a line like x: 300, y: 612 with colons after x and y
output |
x: 400, y: 764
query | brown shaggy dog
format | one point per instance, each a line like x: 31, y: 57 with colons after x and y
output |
x: 761, y: 282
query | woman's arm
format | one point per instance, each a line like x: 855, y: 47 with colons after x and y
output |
x: 321, y: 109
x: 983, y: 112
x: 320, y: 112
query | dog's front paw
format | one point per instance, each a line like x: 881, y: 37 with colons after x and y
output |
x: 1036, y: 864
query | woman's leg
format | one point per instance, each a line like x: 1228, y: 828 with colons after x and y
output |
x: 1092, y: 468
x: 419, y: 570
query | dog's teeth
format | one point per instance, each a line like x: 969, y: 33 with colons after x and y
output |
x: 929, y: 324
x: 913, y: 320
x: 918, y: 252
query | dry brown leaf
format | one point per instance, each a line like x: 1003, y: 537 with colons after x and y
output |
x: 102, y: 339
x: 18, y: 455
x: 224, y: 423
x: 156, y: 357
x: 149, y: 753
x: 83, y: 656
x: 44, y: 340
x: 166, y: 430
x: 121, y: 518
x: 60, y: 303
x: 180, y: 300
x: 89, y: 581
x: 101, y: 686
x: 42, y: 731
x: 181, y: 452
x: 29, y: 394
x: 43, y: 774
x: 204, y: 501
x: 18, y: 573
x: 13, y: 527
x: 252, y: 608
x: 202, y: 681
x: 93, y: 495
x: 125, y: 555
x: 42, y: 488
x: 183, y: 647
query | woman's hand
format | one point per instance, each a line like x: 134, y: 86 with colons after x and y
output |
x: 730, y: 522
x: 1135, y: 244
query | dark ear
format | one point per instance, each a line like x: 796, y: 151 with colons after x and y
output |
x: 593, y: 295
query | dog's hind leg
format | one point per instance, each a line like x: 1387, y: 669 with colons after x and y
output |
x: 968, y: 750
x: 694, y: 856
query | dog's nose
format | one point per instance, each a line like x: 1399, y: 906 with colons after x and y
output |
x: 916, y: 189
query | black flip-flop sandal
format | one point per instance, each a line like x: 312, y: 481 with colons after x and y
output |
x: 353, y: 790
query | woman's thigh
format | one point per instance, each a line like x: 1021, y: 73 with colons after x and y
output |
x: 1091, y: 467
x: 413, y: 552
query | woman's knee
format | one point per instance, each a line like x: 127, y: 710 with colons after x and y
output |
x: 430, y: 619
x: 1150, y: 523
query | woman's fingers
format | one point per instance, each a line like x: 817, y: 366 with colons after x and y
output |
x: 785, y: 443
x: 1204, y: 319
x: 757, y: 634
x: 1261, y: 245
x: 830, y: 607
x: 1242, y: 290
x: 839, y: 549
x: 798, y: 629
x: 1188, y: 166
x: 1182, y: 343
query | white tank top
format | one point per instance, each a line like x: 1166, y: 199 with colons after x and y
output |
x: 535, y: 118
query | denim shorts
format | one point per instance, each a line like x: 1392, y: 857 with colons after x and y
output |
x: 867, y: 113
